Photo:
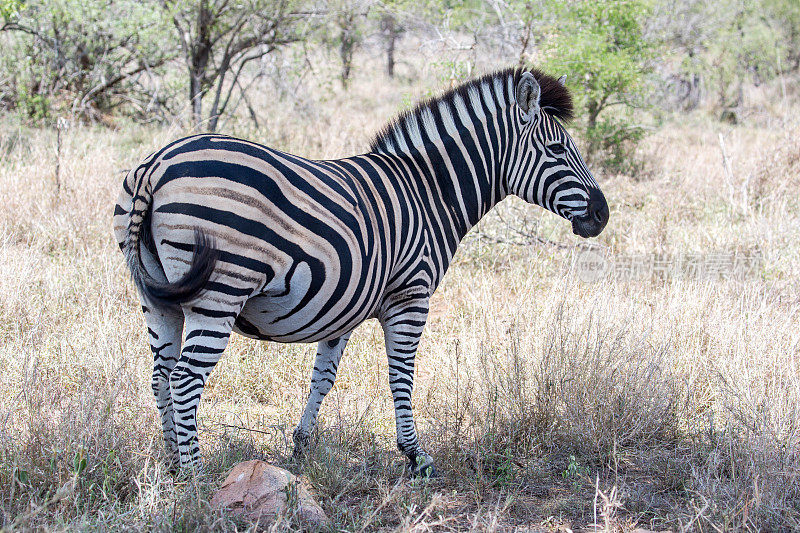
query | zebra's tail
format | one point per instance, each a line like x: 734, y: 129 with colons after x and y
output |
x: 139, y: 233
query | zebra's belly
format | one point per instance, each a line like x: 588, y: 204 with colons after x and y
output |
x: 266, y: 317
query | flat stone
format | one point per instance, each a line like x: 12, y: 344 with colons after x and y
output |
x: 261, y: 491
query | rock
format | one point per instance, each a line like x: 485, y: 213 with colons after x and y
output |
x: 261, y: 491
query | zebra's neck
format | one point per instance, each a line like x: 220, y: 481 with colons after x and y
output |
x: 452, y: 151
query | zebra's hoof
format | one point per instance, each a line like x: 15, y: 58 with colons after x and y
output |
x: 422, y: 466
x: 172, y: 463
x: 298, y: 454
x: 190, y: 470
x: 174, y: 467
x: 301, y: 440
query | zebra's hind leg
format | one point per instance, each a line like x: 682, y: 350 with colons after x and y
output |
x: 403, y: 329
x: 165, y: 328
x: 322, y: 377
x: 207, y: 334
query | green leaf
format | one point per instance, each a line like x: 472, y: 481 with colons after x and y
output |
x: 79, y: 462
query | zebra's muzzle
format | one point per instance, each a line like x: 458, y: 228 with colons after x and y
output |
x: 596, y: 218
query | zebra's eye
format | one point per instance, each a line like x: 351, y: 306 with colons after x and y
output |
x: 557, y: 148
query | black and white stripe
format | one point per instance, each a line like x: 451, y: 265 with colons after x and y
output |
x: 224, y: 235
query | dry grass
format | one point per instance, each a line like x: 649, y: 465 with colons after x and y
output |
x: 547, y: 402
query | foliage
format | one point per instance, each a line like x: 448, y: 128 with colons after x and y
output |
x: 702, y: 60
x: 345, y: 30
x: 392, y: 17
x: 534, y: 19
x: 602, y: 48
x: 783, y: 16
x: 218, y: 39
x: 575, y: 472
x: 142, y: 58
x: 72, y: 56
x: 755, y: 56
x: 458, y: 15
x: 9, y: 9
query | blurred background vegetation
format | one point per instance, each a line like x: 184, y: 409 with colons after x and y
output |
x: 628, y: 62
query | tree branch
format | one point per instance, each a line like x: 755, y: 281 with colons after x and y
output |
x: 103, y: 87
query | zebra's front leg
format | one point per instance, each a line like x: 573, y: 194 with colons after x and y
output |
x: 322, y: 377
x: 207, y: 334
x: 402, y: 328
x: 165, y: 328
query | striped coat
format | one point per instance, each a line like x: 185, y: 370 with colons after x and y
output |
x: 223, y: 235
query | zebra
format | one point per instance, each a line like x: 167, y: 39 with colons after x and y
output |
x: 224, y: 235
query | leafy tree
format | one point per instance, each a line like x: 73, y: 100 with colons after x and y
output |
x: 392, y: 27
x: 345, y: 30
x: 391, y: 30
x: 396, y: 17
x: 601, y: 46
x: 765, y: 37
x: 219, y: 38
x: 784, y: 17
x: 9, y: 9
x: 754, y: 57
x: 686, y: 31
x: 532, y: 19
x: 72, y: 54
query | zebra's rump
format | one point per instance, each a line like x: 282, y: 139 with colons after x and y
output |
x: 297, y: 260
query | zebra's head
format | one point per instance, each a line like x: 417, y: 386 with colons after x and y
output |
x: 547, y: 169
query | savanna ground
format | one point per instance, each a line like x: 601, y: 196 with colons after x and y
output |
x: 663, y: 400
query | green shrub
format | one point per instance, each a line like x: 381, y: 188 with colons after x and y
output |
x: 602, y: 48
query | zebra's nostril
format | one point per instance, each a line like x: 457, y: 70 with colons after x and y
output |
x: 597, y: 208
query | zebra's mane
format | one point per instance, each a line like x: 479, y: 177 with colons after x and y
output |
x: 555, y: 99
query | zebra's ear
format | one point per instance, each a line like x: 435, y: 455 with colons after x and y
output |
x: 563, y: 80
x: 528, y: 93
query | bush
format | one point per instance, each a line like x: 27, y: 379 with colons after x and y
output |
x: 82, y: 57
x: 602, y: 48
